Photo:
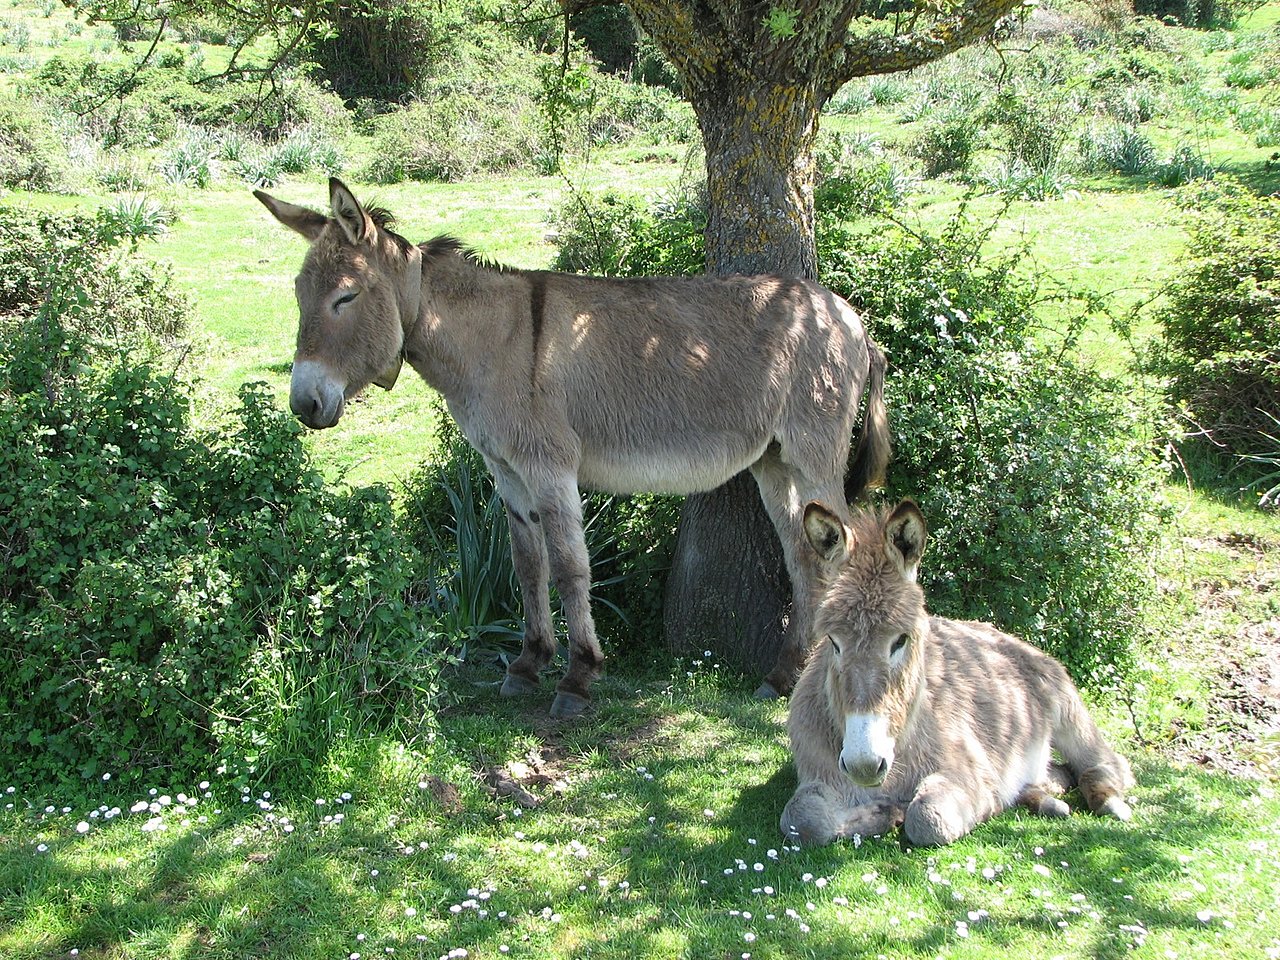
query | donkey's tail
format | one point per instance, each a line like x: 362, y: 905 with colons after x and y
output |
x: 872, y: 455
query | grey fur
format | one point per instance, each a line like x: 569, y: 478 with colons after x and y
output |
x: 972, y: 713
x: 659, y: 385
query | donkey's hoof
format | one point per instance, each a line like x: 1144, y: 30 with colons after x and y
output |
x: 1053, y: 807
x: 1115, y: 807
x: 767, y: 691
x: 566, y: 706
x: 517, y: 686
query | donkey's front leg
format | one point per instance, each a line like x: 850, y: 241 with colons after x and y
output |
x: 529, y: 557
x: 561, y: 510
x: 944, y: 809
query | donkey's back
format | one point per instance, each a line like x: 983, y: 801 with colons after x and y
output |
x: 666, y: 385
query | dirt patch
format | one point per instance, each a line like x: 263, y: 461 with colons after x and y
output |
x: 1237, y: 619
x: 446, y: 795
x: 540, y: 770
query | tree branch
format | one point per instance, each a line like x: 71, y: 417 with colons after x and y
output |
x: 870, y: 55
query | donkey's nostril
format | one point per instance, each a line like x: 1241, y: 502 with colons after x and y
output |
x: 883, y: 768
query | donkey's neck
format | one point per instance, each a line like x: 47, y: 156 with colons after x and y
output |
x: 462, y: 322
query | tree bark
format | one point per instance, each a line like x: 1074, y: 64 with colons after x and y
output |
x: 757, y: 92
x: 728, y: 590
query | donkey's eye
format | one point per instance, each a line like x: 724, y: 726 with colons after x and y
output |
x: 834, y: 645
x: 898, y: 644
x: 345, y: 299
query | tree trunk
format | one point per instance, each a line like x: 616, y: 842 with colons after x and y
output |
x: 728, y: 590
x: 757, y: 77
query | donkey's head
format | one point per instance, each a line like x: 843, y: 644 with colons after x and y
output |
x: 359, y: 286
x: 872, y: 624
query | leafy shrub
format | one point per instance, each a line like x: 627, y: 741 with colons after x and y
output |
x: 1017, y: 180
x: 171, y: 598
x: 259, y: 168
x: 1185, y: 165
x: 455, y: 518
x: 1118, y: 149
x: 125, y: 107
x: 189, y: 160
x: 946, y: 144
x: 31, y: 156
x: 304, y: 150
x: 613, y: 235
x: 1031, y: 469
x: 136, y: 217
x: 1132, y: 103
x: 623, y: 112
x: 1222, y: 323
x: 1033, y: 126
x: 454, y: 137
x: 121, y: 172
x: 1260, y: 121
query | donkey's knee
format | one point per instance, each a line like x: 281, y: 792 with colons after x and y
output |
x: 812, y: 817
x: 939, y: 814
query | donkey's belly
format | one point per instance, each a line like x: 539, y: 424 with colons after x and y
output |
x: 665, y: 471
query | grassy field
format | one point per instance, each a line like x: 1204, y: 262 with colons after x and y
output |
x: 649, y: 828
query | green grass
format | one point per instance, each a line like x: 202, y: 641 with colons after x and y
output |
x: 674, y: 784
x: 655, y: 835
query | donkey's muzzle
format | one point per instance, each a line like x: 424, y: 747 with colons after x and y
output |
x: 867, y: 751
x: 316, y: 397
x: 865, y: 773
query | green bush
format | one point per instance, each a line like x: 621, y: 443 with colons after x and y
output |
x: 946, y: 144
x: 614, y: 235
x: 1032, y: 470
x: 1221, y: 350
x: 31, y: 154
x: 170, y: 597
x: 125, y: 107
x: 1117, y: 148
x: 449, y: 138
x: 1185, y: 165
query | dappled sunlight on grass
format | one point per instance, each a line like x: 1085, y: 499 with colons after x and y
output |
x: 658, y: 838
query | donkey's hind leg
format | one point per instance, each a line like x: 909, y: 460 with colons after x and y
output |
x: 1039, y: 800
x: 1102, y: 774
x: 529, y: 557
x: 1045, y: 798
x: 785, y: 490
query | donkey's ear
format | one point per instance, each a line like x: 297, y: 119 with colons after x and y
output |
x: 826, y: 532
x: 905, y: 535
x: 300, y: 219
x: 355, y: 223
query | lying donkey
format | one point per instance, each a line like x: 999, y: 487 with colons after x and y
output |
x: 560, y: 381
x: 900, y: 717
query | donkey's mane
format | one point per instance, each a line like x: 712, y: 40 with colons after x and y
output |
x: 445, y: 245
x: 384, y: 220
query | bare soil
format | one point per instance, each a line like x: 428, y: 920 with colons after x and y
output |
x: 1238, y: 622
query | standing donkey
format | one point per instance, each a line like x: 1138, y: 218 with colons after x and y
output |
x: 900, y: 717
x: 560, y: 381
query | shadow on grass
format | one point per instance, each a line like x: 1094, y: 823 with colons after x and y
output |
x: 668, y: 791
